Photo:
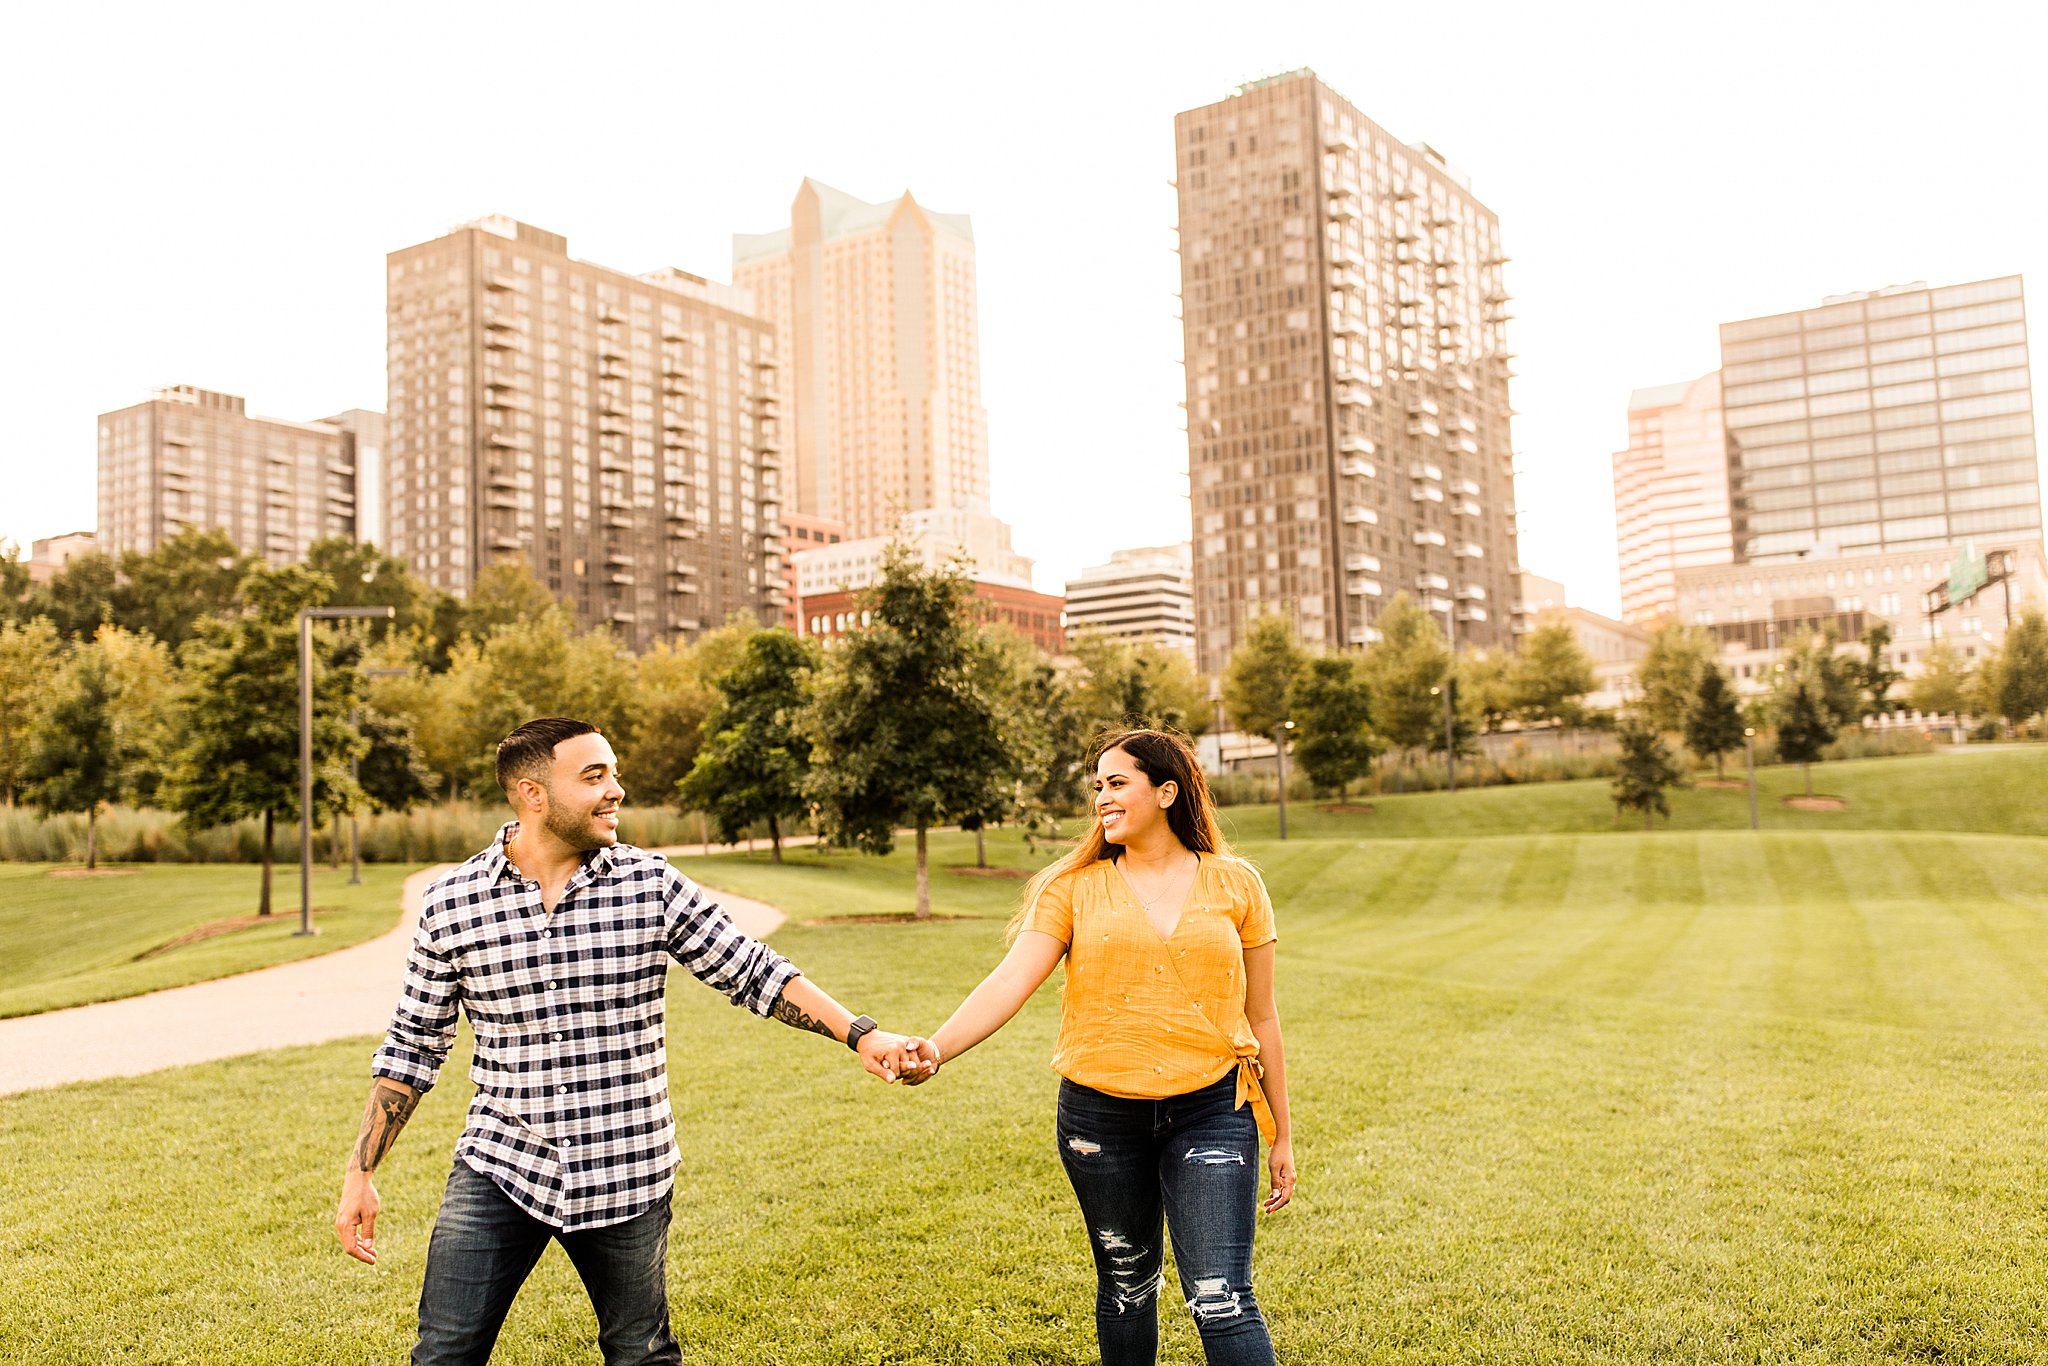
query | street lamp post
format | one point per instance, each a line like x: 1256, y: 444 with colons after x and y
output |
x: 1450, y: 695
x: 1280, y: 747
x: 307, y: 616
x: 1749, y: 753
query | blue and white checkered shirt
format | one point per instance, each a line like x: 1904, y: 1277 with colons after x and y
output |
x: 571, y: 1117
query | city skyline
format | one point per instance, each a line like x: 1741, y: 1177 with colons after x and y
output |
x: 1641, y: 207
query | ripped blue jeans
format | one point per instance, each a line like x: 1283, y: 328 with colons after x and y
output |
x: 1190, y: 1163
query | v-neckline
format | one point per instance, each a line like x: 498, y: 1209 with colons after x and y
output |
x: 1146, y: 916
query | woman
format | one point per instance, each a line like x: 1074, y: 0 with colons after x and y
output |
x: 1169, y: 1047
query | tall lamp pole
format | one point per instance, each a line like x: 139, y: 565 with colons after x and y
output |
x: 1749, y: 753
x: 1450, y: 696
x: 307, y: 616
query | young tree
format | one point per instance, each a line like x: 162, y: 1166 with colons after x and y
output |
x: 1401, y: 667
x: 1944, y: 684
x: 1805, y: 727
x: 168, y: 591
x: 75, y: 759
x: 239, y: 713
x: 1714, y: 725
x: 1551, y: 676
x: 1332, y: 713
x: 1873, y: 675
x: 365, y: 576
x: 1486, y: 686
x: 1645, y: 770
x: 1833, y: 678
x: 1669, y: 673
x: 28, y: 656
x: 14, y: 583
x: 752, y: 765
x: 79, y: 598
x: 2023, y: 669
x: 902, y: 732
x: 391, y: 773
x: 1124, y: 683
x: 505, y: 594
x: 1260, y: 673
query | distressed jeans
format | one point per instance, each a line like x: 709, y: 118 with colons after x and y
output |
x: 1190, y: 1162
x: 483, y: 1248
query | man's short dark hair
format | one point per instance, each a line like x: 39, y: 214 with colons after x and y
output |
x: 529, y: 752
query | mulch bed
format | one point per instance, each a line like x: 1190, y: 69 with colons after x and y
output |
x: 1719, y: 782
x: 93, y: 872
x: 1008, y: 874
x: 215, y: 928
x: 1817, y: 803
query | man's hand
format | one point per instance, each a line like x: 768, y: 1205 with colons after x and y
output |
x: 892, y: 1057
x: 355, y: 1222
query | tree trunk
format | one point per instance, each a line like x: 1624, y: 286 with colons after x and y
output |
x: 1807, y: 769
x: 980, y: 849
x: 92, y: 837
x: 924, y: 876
x: 775, y: 836
x: 263, y: 903
x: 334, y: 843
x: 1719, y: 760
x: 1649, y: 818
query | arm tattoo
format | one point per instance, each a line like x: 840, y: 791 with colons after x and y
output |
x: 391, y: 1105
x: 786, y: 1011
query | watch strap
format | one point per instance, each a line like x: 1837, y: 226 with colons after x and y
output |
x: 860, y: 1027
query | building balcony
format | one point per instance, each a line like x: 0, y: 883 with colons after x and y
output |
x: 1346, y: 326
x: 504, y: 540
x: 1362, y: 516
x: 1342, y: 184
x: 1358, y: 467
x: 681, y: 529
x: 503, y: 500
x: 1427, y: 581
x: 1344, y: 210
x: 1426, y: 493
x: 498, y: 339
x: 1348, y: 278
x: 1463, y: 443
x: 771, y: 543
x: 622, y: 579
x: 1468, y: 487
x: 1418, y: 407
x: 1465, y: 507
x: 1472, y: 592
x: 1334, y: 141
x: 1423, y: 469
x: 610, y: 351
x: 1349, y: 374
x: 1362, y: 634
x: 1353, y: 444
x: 1424, y: 426
x: 1463, y: 381
x: 1428, y: 537
x: 499, y: 477
x: 1362, y: 587
x: 610, y: 317
x: 1360, y: 562
x: 776, y: 596
x: 766, y: 367
x: 1353, y: 396
x: 1468, y: 551
x: 1472, y: 612
x: 1347, y: 257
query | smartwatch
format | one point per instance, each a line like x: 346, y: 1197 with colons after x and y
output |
x: 861, y: 1026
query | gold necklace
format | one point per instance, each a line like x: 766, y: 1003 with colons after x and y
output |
x: 1161, y: 896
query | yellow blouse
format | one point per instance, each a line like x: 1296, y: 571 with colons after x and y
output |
x: 1144, y: 1018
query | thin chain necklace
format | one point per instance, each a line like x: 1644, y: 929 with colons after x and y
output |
x: 1161, y: 896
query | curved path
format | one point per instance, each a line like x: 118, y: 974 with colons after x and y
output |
x: 339, y: 995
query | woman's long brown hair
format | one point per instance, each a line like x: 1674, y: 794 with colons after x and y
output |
x: 1163, y: 757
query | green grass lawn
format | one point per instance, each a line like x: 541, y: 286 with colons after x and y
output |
x: 2001, y: 790
x: 1697, y: 1097
x: 67, y: 941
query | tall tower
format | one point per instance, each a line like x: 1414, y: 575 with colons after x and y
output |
x: 1900, y: 419
x: 616, y: 432
x: 1347, y: 374
x: 1670, y: 495
x: 874, y: 307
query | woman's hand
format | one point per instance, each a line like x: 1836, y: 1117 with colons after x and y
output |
x: 924, y: 1062
x: 1280, y: 1167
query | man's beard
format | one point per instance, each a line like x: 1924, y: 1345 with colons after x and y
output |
x: 579, y: 833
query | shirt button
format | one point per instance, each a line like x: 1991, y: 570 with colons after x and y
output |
x: 563, y: 1090
x: 551, y: 986
x: 543, y: 934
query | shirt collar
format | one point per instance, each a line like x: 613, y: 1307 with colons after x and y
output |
x: 597, y: 862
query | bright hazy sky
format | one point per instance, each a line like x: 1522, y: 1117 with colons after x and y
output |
x: 205, y: 195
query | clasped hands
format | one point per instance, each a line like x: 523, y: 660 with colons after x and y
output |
x: 899, y: 1058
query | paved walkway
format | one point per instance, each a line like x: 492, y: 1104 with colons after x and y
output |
x: 339, y: 995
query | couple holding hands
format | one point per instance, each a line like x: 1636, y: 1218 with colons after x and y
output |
x: 556, y: 940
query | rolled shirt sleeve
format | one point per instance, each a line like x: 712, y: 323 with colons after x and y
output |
x: 422, y: 1025
x: 702, y: 937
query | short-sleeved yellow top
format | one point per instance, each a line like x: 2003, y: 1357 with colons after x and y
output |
x: 1144, y: 1018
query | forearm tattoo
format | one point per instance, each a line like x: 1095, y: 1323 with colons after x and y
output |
x: 790, y: 1014
x: 390, y: 1107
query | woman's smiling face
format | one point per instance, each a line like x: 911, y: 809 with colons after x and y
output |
x: 1126, y: 802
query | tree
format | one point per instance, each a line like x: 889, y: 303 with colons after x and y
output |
x: 239, y: 713
x: 505, y: 594
x: 1873, y: 675
x: 1815, y: 659
x: 365, y: 576
x: 1401, y: 667
x: 1260, y: 673
x: 1714, y: 725
x: 14, y: 583
x: 167, y: 591
x: 1669, y: 673
x: 75, y: 760
x: 1645, y: 769
x: 902, y: 732
x: 2023, y: 669
x: 1944, y: 685
x: 1332, y: 713
x: 752, y: 764
x: 29, y: 654
x: 1552, y: 675
x: 1805, y: 727
x: 392, y: 773
x: 1486, y: 686
x: 672, y: 699
x: 1124, y: 683
x: 79, y: 598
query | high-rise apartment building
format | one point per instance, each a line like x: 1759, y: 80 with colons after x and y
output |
x: 1670, y: 494
x: 1144, y: 595
x: 874, y: 308
x: 1896, y: 421
x: 195, y: 459
x: 616, y: 432
x: 1344, y: 319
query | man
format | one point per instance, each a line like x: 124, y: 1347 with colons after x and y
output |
x: 556, y: 941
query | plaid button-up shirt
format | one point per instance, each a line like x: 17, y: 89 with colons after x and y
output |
x: 571, y: 1117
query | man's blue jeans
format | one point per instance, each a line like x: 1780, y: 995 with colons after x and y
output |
x: 1191, y: 1162
x: 483, y: 1248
